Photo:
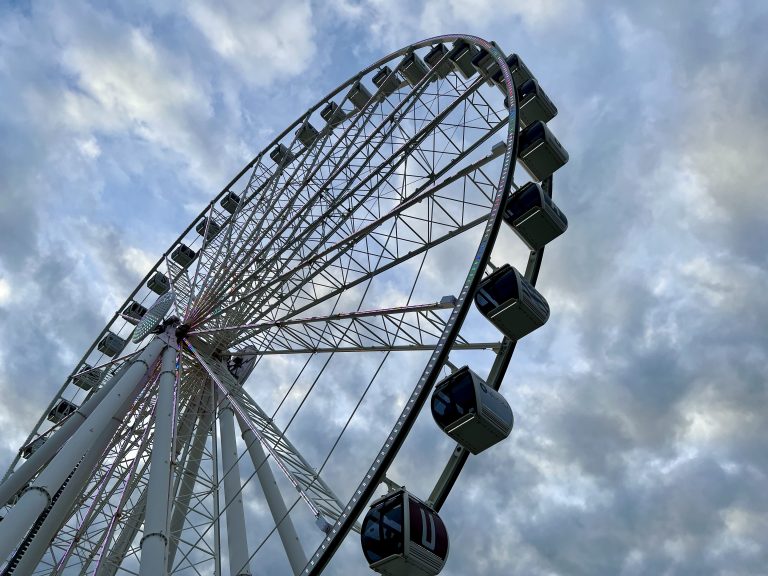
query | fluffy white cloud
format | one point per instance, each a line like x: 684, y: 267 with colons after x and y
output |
x: 5, y: 291
x: 262, y: 41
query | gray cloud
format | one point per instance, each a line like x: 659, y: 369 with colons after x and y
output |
x: 640, y: 407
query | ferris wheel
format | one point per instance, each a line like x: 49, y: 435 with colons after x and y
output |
x: 259, y: 402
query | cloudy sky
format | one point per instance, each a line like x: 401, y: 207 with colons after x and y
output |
x: 642, y: 406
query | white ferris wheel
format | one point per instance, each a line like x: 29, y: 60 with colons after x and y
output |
x: 240, y: 411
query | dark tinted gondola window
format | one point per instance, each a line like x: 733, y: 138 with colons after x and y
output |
x: 523, y: 200
x: 453, y: 401
x: 382, y: 533
x: 531, y: 134
x: 498, y: 289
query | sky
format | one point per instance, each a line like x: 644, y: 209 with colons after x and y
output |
x: 640, y: 408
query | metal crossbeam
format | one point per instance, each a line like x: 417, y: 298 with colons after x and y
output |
x: 405, y: 328
x: 318, y: 496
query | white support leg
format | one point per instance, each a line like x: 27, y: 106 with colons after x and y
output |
x: 233, y: 496
x: 38, y: 459
x: 285, y: 528
x: 38, y: 496
x: 154, y: 543
x: 58, y: 515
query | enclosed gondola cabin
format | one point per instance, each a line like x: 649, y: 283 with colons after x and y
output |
x: 333, y: 114
x: 183, y: 255
x: 470, y: 412
x: 159, y: 283
x: 359, y: 95
x: 485, y: 63
x: 534, y: 103
x: 387, y: 81
x: 402, y: 536
x: 307, y: 134
x: 511, y: 303
x: 519, y: 71
x: 534, y: 216
x: 414, y: 69
x: 134, y: 312
x: 281, y: 155
x: 540, y: 152
x: 61, y: 411
x: 111, y: 344
x: 461, y: 55
x: 212, y: 228
x: 87, y: 378
x: 435, y: 59
x: 230, y: 202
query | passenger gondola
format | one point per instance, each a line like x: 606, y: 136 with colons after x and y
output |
x: 230, y: 202
x: 134, y: 312
x: 111, y: 344
x: 63, y: 409
x: 534, y: 103
x: 534, y: 216
x: 470, y: 412
x: 435, y: 59
x: 540, y: 152
x: 402, y: 536
x: 213, y: 228
x: 333, y: 114
x: 281, y: 155
x: 511, y: 303
x: 159, y: 283
x: 413, y: 68
x: 183, y: 255
x: 461, y: 56
x: 359, y: 95
x: 307, y: 134
x: 87, y: 378
x: 387, y: 81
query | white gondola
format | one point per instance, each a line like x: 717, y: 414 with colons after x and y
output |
x: 534, y: 103
x: 534, y: 216
x: 86, y: 378
x: 213, y: 228
x: 387, y: 81
x: 402, y: 536
x: 413, y: 68
x: 230, y: 202
x: 159, y: 283
x: 461, y: 56
x: 435, y: 60
x: 359, y: 95
x: 111, y: 344
x: 134, y: 312
x: 307, y: 134
x: 281, y: 155
x: 511, y: 303
x: 63, y: 409
x: 33, y: 447
x: 540, y: 152
x: 183, y: 255
x: 333, y: 114
x: 470, y: 412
